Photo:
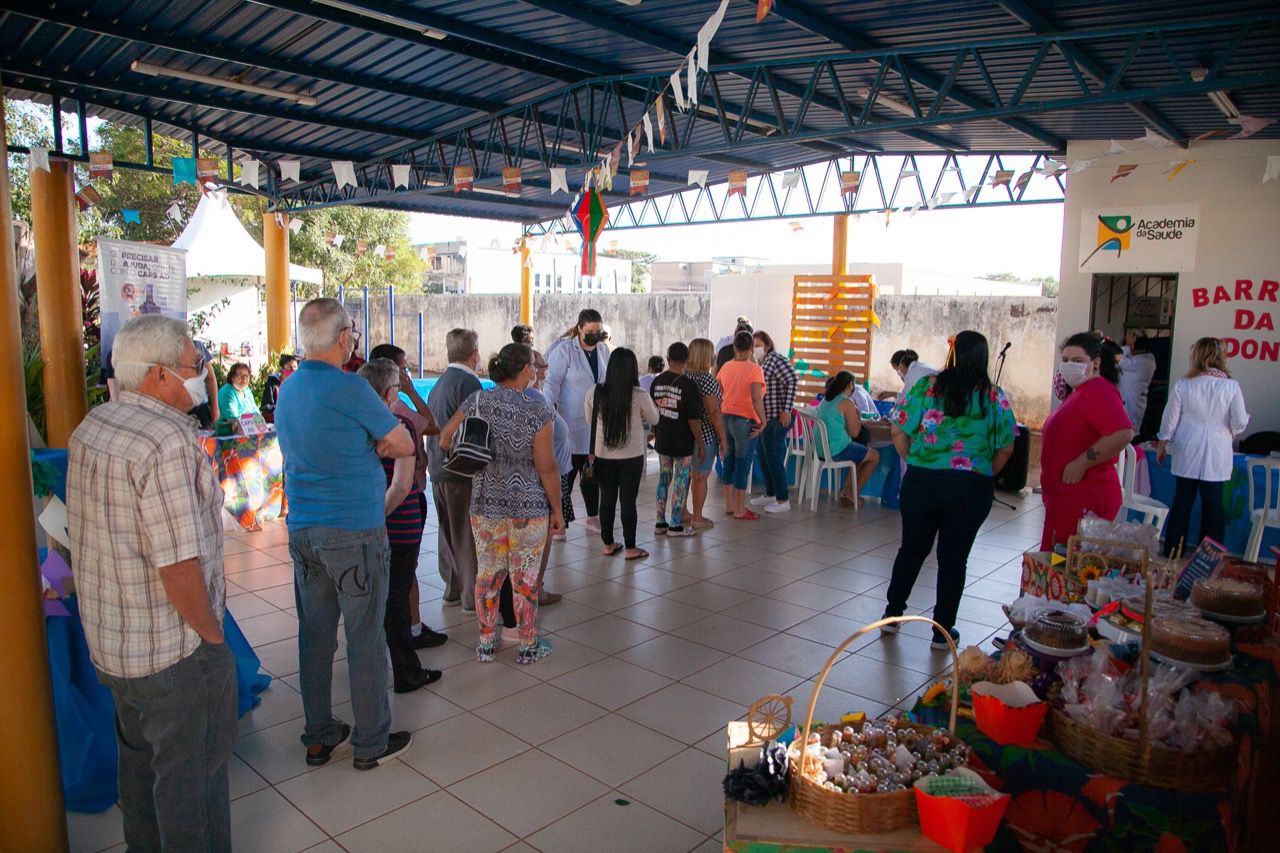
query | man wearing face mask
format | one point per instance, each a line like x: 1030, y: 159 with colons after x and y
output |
x: 1082, y: 439
x: 574, y: 367
x: 144, y: 511
x: 333, y: 430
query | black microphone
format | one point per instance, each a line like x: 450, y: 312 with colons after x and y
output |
x: 1006, y: 348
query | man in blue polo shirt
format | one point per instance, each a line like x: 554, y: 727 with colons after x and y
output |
x: 333, y: 429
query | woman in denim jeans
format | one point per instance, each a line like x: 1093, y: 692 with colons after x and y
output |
x: 779, y: 401
x: 742, y: 383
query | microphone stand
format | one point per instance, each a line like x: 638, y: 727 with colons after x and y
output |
x: 999, y: 370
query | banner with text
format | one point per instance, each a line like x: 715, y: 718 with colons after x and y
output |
x: 1139, y: 239
x: 136, y: 279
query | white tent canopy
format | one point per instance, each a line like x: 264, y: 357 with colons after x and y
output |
x: 217, y: 244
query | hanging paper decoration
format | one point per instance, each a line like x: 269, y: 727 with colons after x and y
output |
x: 677, y: 86
x: 463, y: 177
x: 400, y: 175
x: 660, y: 108
x: 614, y: 161
x: 762, y: 9
x: 639, y: 181
x: 101, y: 165
x: 184, y: 170
x: 1272, y: 172
x: 1250, y: 125
x: 361, y: 247
x: 295, y: 225
x: 972, y: 193
x: 1079, y: 166
x: 344, y: 173
x: 1123, y: 171
x: 603, y: 174
x: 133, y: 216
x: 692, y: 78
x: 1116, y: 148
x: 389, y: 253
x: 1151, y: 139
x: 87, y: 197
x: 909, y: 173
x: 380, y: 250
x: 699, y: 177
x: 1174, y: 169
x: 791, y: 179
x: 633, y: 145
x: 1053, y: 168
x: 1021, y: 183
x: 1212, y: 134
x: 738, y: 182
x: 888, y: 214
x: 1002, y: 178
x: 39, y: 157
x: 329, y: 238
x: 249, y: 173
x: 795, y: 227
x: 648, y: 132
x: 706, y: 33
x: 174, y: 212
x: 288, y: 170
x: 849, y: 182
x: 207, y: 168
x: 511, y: 179
x: 590, y: 217
x: 559, y: 179
x: 338, y: 240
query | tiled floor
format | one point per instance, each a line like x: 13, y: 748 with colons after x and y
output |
x: 618, y: 735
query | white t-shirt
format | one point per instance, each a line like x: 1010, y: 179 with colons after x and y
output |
x: 1136, y: 370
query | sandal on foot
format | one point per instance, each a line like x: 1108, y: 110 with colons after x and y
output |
x: 611, y: 549
x: 747, y: 515
x: 640, y: 554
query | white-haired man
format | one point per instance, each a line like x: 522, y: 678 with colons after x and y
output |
x: 144, y: 510
x: 333, y: 430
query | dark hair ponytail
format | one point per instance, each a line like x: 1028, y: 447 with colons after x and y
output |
x: 508, y: 363
x: 1103, y: 350
x: 837, y: 385
x: 966, y: 376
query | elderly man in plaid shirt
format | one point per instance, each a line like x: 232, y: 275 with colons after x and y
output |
x: 146, y: 538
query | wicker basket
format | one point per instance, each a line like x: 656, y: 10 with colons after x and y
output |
x: 859, y: 813
x: 1140, y: 760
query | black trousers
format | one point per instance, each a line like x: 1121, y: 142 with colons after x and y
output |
x: 405, y: 665
x: 590, y: 487
x: 1213, y: 514
x: 948, y: 506
x: 619, y: 481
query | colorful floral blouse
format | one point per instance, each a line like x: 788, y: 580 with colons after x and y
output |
x: 954, y: 444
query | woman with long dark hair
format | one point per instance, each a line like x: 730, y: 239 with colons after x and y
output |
x: 617, y: 408
x: 576, y: 364
x: 1082, y: 439
x: 956, y: 432
x: 844, y: 426
x: 1204, y: 415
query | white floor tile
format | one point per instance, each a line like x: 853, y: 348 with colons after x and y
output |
x: 528, y: 792
x: 462, y: 746
x: 686, y: 787
x: 267, y: 822
x: 611, y: 683
x: 612, y: 749
x: 540, y: 713
x: 724, y: 633
x: 630, y: 827
x: 672, y: 656
x: 683, y: 712
x: 439, y: 823
x: 89, y: 833
x: 609, y: 633
x: 337, y: 797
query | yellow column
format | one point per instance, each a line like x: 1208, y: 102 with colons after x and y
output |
x: 31, y: 810
x: 526, y: 291
x: 53, y: 223
x: 275, y: 240
x: 840, y: 245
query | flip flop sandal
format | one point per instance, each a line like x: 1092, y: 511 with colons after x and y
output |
x: 639, y: 555
x: 747, y: 516
x: 610, y: 550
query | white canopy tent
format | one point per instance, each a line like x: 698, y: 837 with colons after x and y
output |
x: 218, y: 245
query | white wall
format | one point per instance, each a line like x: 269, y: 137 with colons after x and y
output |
x: 497, y: 270
x: 1237, y: 242
x: 241, y: 320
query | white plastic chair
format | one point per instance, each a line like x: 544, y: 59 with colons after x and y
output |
x: 798, y: 447
x: 818, y: 461
x: 1151, y: 510
x: 1265, y: 512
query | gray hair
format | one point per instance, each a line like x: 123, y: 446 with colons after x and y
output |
x: 460, y: 344
x: 381, y: 373
x: 320, y: 323
x: 144, y: 342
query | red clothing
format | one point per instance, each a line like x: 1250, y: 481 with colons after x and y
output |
x: 1094, y: 410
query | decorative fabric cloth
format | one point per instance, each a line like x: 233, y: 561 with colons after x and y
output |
x: 251, y: 472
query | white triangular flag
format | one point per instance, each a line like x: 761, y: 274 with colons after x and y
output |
x: 911, y: 211
x: 39, y: 158
x: 1273, y: 168
x: 1116, y: 148
x: 678, y: 88
x: 1249, y: 125
x: 648, y: 132
x: 947, y: 197
x: 295, y: 225
x: 288, y: 170
x: 791, y: 179
x: 1151, y: 139
x: 559, y: 179
x: 400, y: 175
x: 933, y: 202
x: 1079, y: 166
x: 174, y: 212
x: 344, y: 172
x: 631, y: 149
x: 699, y: 177
x: 708, y: 32
x: 249, y: 173
x: 972, y: 193
x: 380, y: 250
x: 692, y: 77
x: 337, y: 241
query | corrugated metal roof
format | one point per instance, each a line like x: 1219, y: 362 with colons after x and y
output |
x: 380, y: 85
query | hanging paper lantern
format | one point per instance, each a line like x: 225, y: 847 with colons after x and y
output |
x: 590, y: 217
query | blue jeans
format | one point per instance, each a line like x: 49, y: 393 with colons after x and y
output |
x: 740, y: 446
x: 342, y: 573
x: 175, y: 730
x: 772, y: 450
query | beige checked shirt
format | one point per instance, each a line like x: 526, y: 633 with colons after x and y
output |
x: 141, y: 494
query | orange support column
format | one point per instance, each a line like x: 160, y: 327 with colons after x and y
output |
x: 31, y: 811
x: 53, y: 224
x: 526, y: 291
x: 840, y: 245
x: 275, y: 240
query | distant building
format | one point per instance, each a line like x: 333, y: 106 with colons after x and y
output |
x: 891, y: 278
x: 695, y: 276
x: 461, y: 267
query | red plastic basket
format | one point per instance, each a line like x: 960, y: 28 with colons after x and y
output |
x: 1006, y: 724
x: 960, y: 824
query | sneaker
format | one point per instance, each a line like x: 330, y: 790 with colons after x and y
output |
x: 398, y: 744
x: 429, y: 639
x: 486, y: 651
x: 888, y: 629
x: 558, y: 537
x: 762, y: 500
x: 780, y: 506
x: 422, y: 679
x: 320, y: 753
x: 680, y: 530
x: 661, y: 528
x: 940, y: 642
x: 540, y: 649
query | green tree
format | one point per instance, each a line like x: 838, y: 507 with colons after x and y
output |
x: 344, y: 265
x: 1048, y: 285
x: 1000, y: 276
x: 640, y: 259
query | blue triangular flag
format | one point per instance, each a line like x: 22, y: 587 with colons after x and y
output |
x: 184, y: 170
x: 132, y: 216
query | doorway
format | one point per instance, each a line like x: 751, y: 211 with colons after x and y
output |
x: 1144, y: 304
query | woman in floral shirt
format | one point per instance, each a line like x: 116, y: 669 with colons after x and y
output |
x: 956, y: 432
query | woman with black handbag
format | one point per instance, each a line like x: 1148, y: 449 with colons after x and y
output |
x: 614, y: 412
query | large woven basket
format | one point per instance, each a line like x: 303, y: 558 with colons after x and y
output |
x: 859, y: 813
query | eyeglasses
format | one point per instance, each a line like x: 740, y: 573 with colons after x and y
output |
x: 355, y: 335
x: 198, y: 367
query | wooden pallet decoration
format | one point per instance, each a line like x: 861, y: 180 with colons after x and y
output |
x: 831, y: 321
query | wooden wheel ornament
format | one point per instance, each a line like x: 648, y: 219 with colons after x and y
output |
x: 768, y: 717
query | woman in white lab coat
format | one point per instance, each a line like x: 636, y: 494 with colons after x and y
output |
x: 1204, y: 415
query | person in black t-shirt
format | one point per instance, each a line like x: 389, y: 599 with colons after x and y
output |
x: 677, y: 438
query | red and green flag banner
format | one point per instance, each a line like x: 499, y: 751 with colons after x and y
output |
x: 738, y: 182
x: 849, y: 182
x: 463, y: 177
x: 100, y: 165
x: 590, y: 216
x: 511, y: 179
x: 639, y: 181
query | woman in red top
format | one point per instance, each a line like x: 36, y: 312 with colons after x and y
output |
x: 1082, y: 439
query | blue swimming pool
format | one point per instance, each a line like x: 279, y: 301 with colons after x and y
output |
x: 425, y: 384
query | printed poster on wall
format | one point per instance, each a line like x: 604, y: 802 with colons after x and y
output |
x: 136, y: 279
x: 1139, y: 239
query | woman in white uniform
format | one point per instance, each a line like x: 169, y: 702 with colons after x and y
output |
x: 1204, y: 415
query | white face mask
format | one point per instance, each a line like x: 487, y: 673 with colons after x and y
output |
x: 195, y: 386
x: 1074, y: 373
x: 759, y: 353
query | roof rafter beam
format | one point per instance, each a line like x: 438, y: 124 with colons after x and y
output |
x: 806, y: 19
x: 222, y: 53
x: 1041, y: 24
